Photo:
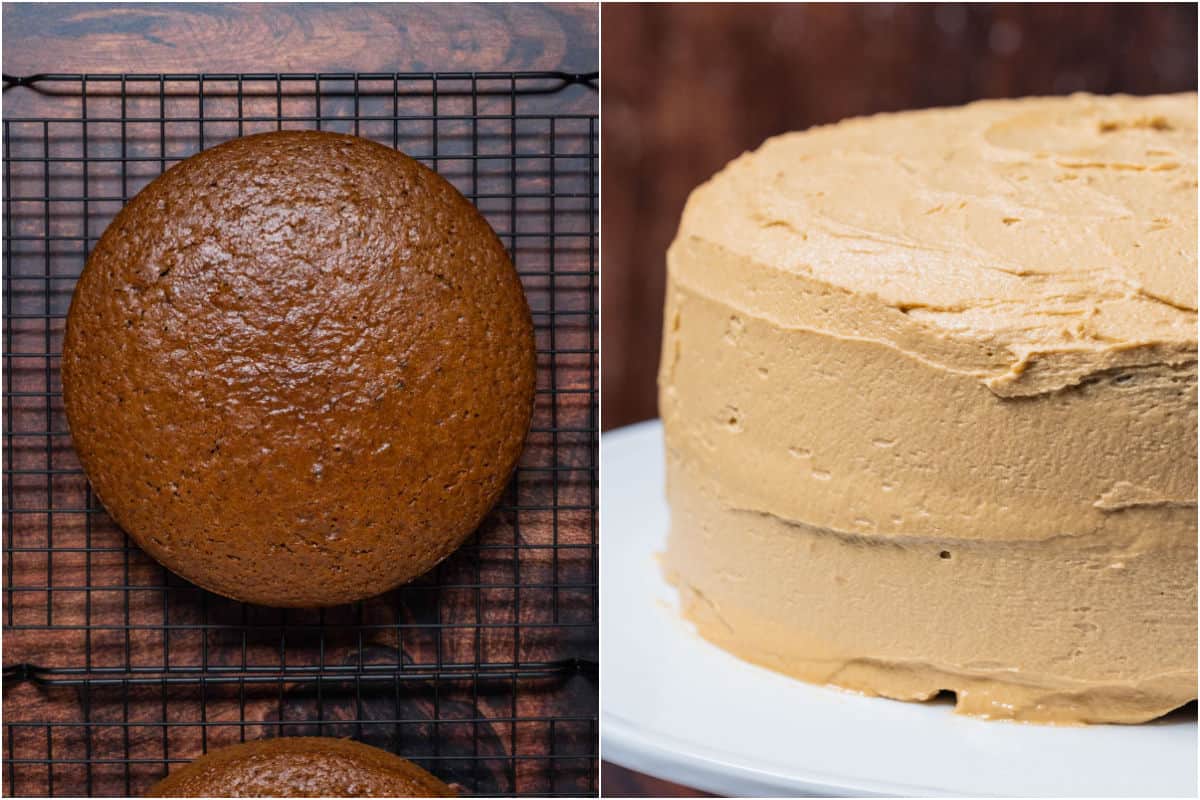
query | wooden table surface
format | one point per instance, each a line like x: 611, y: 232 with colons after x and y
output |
x: 302, y: 38
x: 298, y: 37
x: 181, y: 38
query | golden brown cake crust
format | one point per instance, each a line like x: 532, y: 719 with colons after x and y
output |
x: 300, y: 766
x: 299, y: 368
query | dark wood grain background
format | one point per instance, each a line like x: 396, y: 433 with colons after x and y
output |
x: 686, y: 89
x: 295, y: 37
x: 80, y: 596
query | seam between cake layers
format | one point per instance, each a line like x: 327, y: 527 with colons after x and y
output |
x: 1117, y: 547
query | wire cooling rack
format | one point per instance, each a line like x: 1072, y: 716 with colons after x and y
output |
x: 483, y: 671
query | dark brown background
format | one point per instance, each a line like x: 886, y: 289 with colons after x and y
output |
x: 686, y: 89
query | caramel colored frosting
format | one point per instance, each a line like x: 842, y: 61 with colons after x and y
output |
x: 929, y: 390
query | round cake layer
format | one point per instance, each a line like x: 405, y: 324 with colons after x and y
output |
x: 300, y: 766
x: 299, y: 368
x: 1033, y: 631
x: 969, y: 330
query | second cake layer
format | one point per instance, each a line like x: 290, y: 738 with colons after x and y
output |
x: 1047, y: 631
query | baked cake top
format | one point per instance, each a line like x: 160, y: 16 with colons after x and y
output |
x: 299, y: 368
x: 300, y: 766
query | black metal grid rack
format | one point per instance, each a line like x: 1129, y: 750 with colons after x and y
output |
x: 483, y: 671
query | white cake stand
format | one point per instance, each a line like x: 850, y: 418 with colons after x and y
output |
x: 681, y: 709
